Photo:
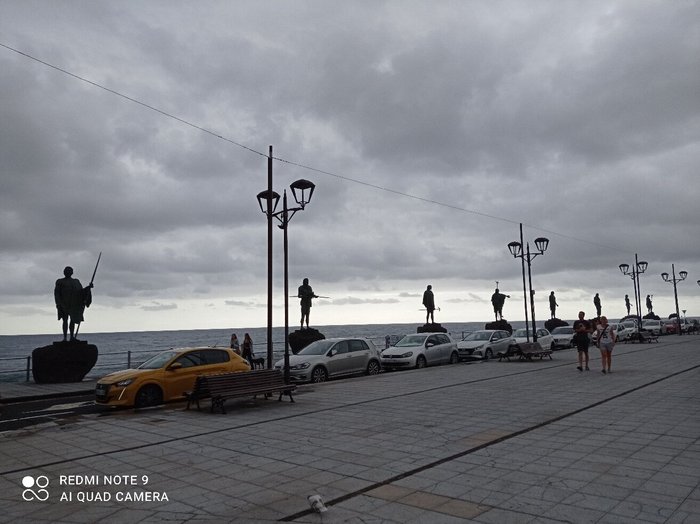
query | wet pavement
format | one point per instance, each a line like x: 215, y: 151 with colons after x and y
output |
x: 494, y: 442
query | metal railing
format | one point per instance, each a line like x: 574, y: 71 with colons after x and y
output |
x: 131, y: 358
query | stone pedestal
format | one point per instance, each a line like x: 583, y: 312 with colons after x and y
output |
x: 554, y: 323
x: 500, y: 324
x: 431, y: 328
x: 301, y: 338
x: 63, y: 362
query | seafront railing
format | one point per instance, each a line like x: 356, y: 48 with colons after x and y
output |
x: 14, y: 369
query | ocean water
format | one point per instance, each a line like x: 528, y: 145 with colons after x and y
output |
x: 128, y: 349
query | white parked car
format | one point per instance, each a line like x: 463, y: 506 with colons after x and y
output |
x: 627, y: 330
x: 563, y: 337
x: 485, y: 343
x: 420, y: 350
x: 544, y: 337
x: 655, y: 327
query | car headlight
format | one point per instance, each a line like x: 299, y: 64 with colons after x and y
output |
x: 407, y: 355
x: 124, y: 383
x: 303, y: 365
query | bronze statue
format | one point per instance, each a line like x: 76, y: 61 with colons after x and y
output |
x: 429, y: 303
x: 498, y: 299
x: 596, y: 303
x: 71, y: 299
x: 305, y: 293
x: 627, y: 303
x: 649, y: 305
x: 553, y: 305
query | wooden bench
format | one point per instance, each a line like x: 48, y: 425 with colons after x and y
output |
x: 512, y: 352
x: 531, y: 350
x: 643, y: 336
x: 222, y: 386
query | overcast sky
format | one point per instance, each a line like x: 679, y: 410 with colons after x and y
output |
x: 431, y: 130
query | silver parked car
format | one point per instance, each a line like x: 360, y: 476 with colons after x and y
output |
x: 333, y: 357
x: 544, y: 337
x: 485, y: 343
x: 420, y: 350
x: 563, y: 337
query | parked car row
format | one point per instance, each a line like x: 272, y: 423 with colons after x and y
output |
x: 168, y: 375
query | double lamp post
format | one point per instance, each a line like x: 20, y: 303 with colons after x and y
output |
x: 681, y: 276
x: 516, y: 249
x: 302, y: 190
x: 638, y: 268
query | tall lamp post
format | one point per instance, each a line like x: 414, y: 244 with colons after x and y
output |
x: 682, y: 275
x: 516, y: 249
x: 639, y: 268
x: 284, y: 216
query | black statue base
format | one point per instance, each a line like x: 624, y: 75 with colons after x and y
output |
x: 651, y: 316
x: 63, y: 362
x: 500, y: 324
x: 552, y: 323
x: 301, y: 338
x: 431, y: 328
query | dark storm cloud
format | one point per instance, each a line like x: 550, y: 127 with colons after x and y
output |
x: 580, y: 119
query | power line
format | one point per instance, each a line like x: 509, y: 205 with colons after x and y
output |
x: 296, y: 164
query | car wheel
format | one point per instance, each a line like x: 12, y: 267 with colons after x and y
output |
x: 454, y: 357
x: 552, y: 346
x: 421, y: 362
x: 488, y: 354
x: 373, y: 367
x: 147, y: 396
x: 319, y: 375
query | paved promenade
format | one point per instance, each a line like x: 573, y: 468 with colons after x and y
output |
x: 495, y: 442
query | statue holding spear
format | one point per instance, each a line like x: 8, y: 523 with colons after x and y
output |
x: 72, y: 299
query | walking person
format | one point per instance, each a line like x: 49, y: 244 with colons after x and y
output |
x: 605, y: 342
x: 582, y: 328
x: 248, y: 349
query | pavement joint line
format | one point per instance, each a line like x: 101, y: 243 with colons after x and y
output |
x: 362, y: 402
x: 359, y: 403
x: 474, y: 449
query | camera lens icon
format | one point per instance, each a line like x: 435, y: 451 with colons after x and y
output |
x: 40, y: 482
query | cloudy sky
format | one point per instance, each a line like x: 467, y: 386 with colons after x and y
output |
x: 140, y: 129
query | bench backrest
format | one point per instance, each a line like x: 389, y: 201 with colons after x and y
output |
x: 240, y: 381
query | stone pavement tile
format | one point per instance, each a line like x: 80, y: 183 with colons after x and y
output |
x: 503, y: 516
x: 573, y: 514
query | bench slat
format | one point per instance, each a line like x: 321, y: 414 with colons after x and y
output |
x: 222, y: 386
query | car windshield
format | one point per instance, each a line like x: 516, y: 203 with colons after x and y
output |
x: 479, y: 335
x: 320, y: 347
x: 159, y: 360
x: 562, y: 331
x: 411, y: 341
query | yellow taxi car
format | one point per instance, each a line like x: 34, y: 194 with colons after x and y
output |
x: 166, y: 376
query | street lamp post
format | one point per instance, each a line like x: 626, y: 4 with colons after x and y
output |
x: 516, y: 249
x: 639, y: 268
x: 299, y: 191
x: 682, y: 275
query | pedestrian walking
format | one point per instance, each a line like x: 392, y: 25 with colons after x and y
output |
x: 582, y: 328
x: 606, y: 342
